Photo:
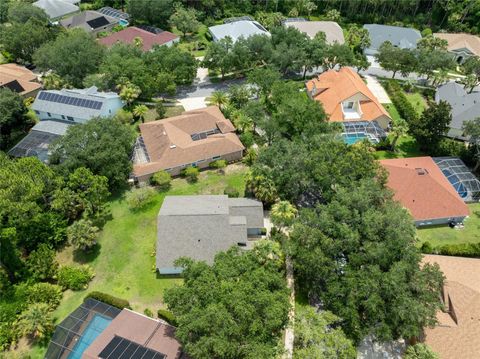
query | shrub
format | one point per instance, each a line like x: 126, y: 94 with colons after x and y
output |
x: 426, y: 248
x: 148, y: 312
x: 109, y: 299
x: 231, y: 192
x: 160, y: 109
x: 162, y: 180
x: 457, y: 250
x: 250, y: 156
x: 47, y: 293
x: 139, y: 198
x: 191, y: 174
x: 167, y: 316
x: 420, y: 351
x: 218, y: 164
x: 82, y: 234
x: 36, y: 321
x: 41, y: 263
x: 247, y: 139
x: 75, y: 278
x: 405, y: 109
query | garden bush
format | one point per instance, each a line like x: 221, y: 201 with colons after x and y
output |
x: 47, y: 293
x: 75, y: 277
x: 403, y: 106
x: 231, y: 192
x: 247, y: 139
x: 167, y: 316
x: 191, y: 174
x: 140, y: 197
x: 109, y: 299
x: 148, y: 312
x: 457, y: 250
x: 162, y: 180
x: 218, y: 164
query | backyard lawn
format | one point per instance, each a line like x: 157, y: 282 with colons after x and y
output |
x: 445, y: 235
x: 417, y: 101
x: 125, y: 261
x: 194, y: 43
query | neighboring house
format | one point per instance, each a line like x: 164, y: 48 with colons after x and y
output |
x: 346, y: 98
x: 122, y: 17
x: 148, y: 39
x: 194, y: 138
x: 98, y: 330
x: 237, y: 29
x: 422, y: 188
x: 457, y: 334
x: 19, y: 79
x: 331, y: 29
x: 76, y: 105
x: 462, y: 46
x: 402, y: 37
x: 90, y: 21
x: 56, y: 9
x: 465, y: 106
x: 199, y: 227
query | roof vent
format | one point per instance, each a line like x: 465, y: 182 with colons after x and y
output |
x: 173, y: 146
x: 421, y: 171
x: 164, y: 133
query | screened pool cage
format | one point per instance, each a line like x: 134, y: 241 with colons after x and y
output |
x: 356, y: 131
x: 71, y: 337
x: 461, y: 178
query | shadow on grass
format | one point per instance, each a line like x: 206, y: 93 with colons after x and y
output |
x: 409, y: 147
x: 168, y: 276
x: 84, y: 257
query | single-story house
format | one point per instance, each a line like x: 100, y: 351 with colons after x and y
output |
x: 90, y: 21
x: 402, y: 37
x: 195, y: 138
x: 76, y: 105
x: 199, y: 227
x: 346, y: 98
x: 457, y: 334
x: 149, y: 39
x: 237, y: 29
x: 465, y: 106
x: 333, y: 32
x: 19, y: 79
x: 98, y: 330
x: 56, y: 9
x: 462, y: 45
x: 423, y: 189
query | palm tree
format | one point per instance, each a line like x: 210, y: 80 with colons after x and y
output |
x: 243, y: 122
x: 36, y: 321
x: 138, y: 42
x: 399, y: 129
x: 218, y: 98
x: 283, y: 213
x: 140, y: 111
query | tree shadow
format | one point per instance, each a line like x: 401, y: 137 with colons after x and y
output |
x: 84, y: 257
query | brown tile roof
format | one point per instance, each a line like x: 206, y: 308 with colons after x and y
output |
x: 169, y: 143
x: 427, y: 196
x: 129, y: 34
x: 461, y: 41
x: 140, y: 329
x: 457, y: 334
x: 24, y: 77
x: 333, y: 87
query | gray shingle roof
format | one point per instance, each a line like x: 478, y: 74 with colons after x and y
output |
x: 403, y: 37
x: 465, y: 106
x: 52, y: 126
x: 237, y: 29
x: 57, y: 8
x: 201, y: 226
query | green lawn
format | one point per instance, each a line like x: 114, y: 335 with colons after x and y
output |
x: 170, y: 111
x: 445, y: 235
x: 392, y: 110
x: 125, y: 261
x: 194, y: 43
x: 406, y: 147
x: 417, y: 101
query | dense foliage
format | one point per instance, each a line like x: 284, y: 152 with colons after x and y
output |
x: 14, y: 121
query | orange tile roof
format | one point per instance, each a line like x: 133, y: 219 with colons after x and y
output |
x: 333, y: 87
x: 24, y: 77
x: 169, y: 144
x: 427, y: 196
x: 457, y: 335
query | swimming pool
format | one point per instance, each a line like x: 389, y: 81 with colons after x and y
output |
x: 456, y: 183
x: 352, y: 138
x: 96, y: 326
x: 123, y: 23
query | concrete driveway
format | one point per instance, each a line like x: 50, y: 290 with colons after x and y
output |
x: 377, y: 89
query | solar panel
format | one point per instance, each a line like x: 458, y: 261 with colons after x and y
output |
x: 121, y: 348
x: 72, y: 101
x: 152, y: 29
x: 98, y: 22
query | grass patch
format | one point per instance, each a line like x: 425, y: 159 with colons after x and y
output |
x: 170, y: 111
x: 406, y: 147
x: 441, y: 235
x: 392, y: 110
x: 417, y: 101
x: 194, y: 43
x: 124, y: 262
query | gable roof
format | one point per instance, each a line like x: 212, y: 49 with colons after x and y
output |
x: 403, y: 37
x: 421, y: 187
x: 18, y: 79
x: 169, y: 142
x: 457, y: 334
x: 88, y: 20
x: 332, y: 30
x: 57, y: 8
x: 465, y: 106
x: 237, y: 29
x: 461, y: 41
x: 333, y: 87
x: 129, y: 35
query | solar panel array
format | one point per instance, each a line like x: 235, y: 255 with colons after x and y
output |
x: 109, y: 11
x: 98, y: 22
x: 121, y: 348
x: 151, y: 29
x: 67, y: 100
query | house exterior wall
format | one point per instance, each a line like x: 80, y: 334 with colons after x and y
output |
x: 383, y: 121
x: 461, y: 55
x: 438, y: 221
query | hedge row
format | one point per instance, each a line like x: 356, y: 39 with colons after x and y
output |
x: 167, y: 316
x: 457, y: 250
x: 403, y: 106
x: 109, y: 299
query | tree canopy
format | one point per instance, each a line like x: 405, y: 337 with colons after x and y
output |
x: 14, y: 121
